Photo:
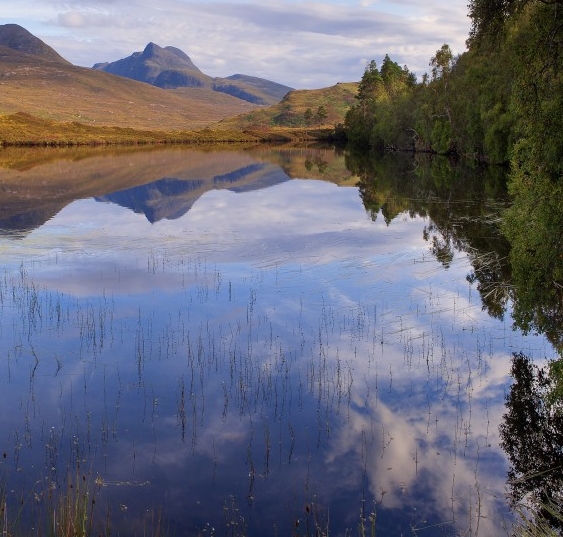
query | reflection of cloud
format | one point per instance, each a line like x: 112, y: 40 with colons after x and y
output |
x: 276, y: 344
x: 298, y: 222
x: 451, y: 460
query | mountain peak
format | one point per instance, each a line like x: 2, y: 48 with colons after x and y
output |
x: 152, y: 49
x: 17, y: 38
x: 154, y: 61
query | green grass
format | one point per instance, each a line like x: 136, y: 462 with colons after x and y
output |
x: 78, y: 509
x: 537, y: 524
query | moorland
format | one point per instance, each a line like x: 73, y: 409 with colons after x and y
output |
x: 154, y: 96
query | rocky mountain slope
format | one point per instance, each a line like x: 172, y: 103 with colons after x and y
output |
x: 171, y: 68
x: 19, y: 39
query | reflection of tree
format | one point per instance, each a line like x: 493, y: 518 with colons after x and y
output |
x: 532, y: 436
x: 463, y: 204
x: 534, y: 226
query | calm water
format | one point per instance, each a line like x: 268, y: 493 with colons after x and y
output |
x: 246, y: 343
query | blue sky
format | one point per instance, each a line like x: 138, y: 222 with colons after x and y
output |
x: 300, y: 43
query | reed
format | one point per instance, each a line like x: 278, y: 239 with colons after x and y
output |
x: 536, y: 523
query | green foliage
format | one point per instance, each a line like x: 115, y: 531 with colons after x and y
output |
x: 441, y: 137
x: 534, y: 36
x: 537, y: 39
x: 321, y: 114
x: 374, y: 121
x: 489, y: 17
x: 555, y: 396
x: 370, y: 87
x: 442, y: 63
x: 463, y: 106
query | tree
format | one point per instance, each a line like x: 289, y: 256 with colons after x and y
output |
x: 442, y: 63
x: 442, y: 135
x: 383, y: 115
x: 321, y: 114
x: 534, y: 227
x: 370, y: 84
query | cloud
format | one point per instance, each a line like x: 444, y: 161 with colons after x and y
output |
x: 302, y: 44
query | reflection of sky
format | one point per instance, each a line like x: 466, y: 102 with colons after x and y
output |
x: 276, y: 344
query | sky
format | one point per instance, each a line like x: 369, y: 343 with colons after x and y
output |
x: 304, y: 44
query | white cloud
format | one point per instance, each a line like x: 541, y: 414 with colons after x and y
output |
x: 301, y: 44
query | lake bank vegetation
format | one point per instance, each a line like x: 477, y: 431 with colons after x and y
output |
x: 24, y: 130
x: 500, y: 101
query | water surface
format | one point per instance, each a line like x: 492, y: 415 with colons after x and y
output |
x: 246, y: 342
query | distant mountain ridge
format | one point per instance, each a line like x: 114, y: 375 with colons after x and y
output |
x: 171, y: 68
x: 149, y: 65
x: 156, y: 90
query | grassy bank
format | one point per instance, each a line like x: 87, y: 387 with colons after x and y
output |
x: 23, y: 129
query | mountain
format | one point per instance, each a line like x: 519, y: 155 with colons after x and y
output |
x: 17, y: 38
x: 154, y: 181
x: 161, y: 183
x: 46, y: 99
x: 36, y: 80
x: 171, y: 68
x: 165, y: 68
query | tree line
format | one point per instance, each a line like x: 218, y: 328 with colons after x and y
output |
x: 500, y: 101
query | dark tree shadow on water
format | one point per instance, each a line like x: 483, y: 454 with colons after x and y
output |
x: 532, y: 437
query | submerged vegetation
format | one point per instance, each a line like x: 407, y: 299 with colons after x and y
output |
x: 192, y: 389
x: 166, y: 362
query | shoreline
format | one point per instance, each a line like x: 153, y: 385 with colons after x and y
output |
x: 24, y: 130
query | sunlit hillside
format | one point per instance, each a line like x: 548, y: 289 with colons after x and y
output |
x: 301, y: 108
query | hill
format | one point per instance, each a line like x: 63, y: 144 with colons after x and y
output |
x: 299, y: 109
x: 19, y: 39
x: 47, y: 100
x: 171, y: 68
x: 34, y: 79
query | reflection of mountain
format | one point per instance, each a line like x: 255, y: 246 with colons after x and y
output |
x: 21, y: 220
x: 35, y: 184
x: 42, y: 184
x: 166, y: 198
x: 171, y: 198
